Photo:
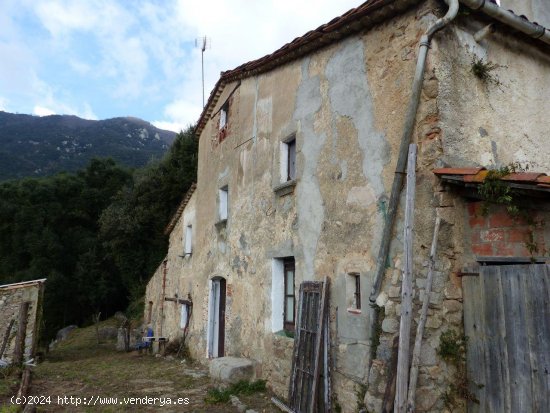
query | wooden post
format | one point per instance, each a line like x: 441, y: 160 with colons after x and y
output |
x: 318, y: 349
x: 406, y: 290
x: 389, y: 394
x: 6, y: 337
x: 422, y: 321
x: 19, y: 350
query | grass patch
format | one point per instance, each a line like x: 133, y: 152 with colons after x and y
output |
x: 243, y: 387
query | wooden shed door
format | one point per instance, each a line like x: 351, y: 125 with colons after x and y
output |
x: 507, y: 322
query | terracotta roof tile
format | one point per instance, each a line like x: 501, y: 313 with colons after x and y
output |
x: 525, y: 180
x: 359, y: 18
x: 457, y: 171
x: 479, y: 177
x: 523, y: 176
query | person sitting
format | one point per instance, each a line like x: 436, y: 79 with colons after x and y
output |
x: 147, y: 340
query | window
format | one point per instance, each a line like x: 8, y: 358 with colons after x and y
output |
x: 354, y: 291
x: 188, y: 240
x: 223, y: 203
x: 290, y: 299
x: 149, y: 312
x: 283, y: 300
x: 224, y: 111
x: 288, y: 160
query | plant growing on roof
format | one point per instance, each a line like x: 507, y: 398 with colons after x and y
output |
x: 494, y: 191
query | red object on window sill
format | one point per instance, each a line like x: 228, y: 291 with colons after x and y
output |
x: 222, y: 133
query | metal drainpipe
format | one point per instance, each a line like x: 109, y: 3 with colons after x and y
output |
x: 405, y: 141
x: 164, y: 270
x: 533, y: 30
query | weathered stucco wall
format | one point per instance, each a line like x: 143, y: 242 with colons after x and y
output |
x: 172, y: 279
x: 345, y: 105
x: 11, y: 298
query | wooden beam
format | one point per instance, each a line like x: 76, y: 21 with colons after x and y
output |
x: 6, y: 337
x: 318, y: 349
x: 406, y: 289
x: 389, y: 394
x: 281, y: 405
x: 422, y: 322
x: 19, y: 350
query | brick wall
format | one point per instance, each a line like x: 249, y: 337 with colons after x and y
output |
x: 497, y: 234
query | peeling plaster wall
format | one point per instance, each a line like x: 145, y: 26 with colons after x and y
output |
x: 179, y: 270
x: 493, y: 123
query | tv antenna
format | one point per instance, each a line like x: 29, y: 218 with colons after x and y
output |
x: 203, y: 43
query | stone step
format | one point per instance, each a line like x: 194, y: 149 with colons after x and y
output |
x: 232, y: 369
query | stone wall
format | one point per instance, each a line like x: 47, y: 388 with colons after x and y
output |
x: 172, y: 280
x: 345, y: 105
x: 11, y: 298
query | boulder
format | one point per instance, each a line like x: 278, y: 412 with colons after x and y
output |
x: 232, y: 369
x: 64, y: 332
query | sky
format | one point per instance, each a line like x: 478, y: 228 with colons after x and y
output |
x: 99, y: 59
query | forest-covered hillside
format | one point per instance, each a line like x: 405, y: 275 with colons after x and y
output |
x: 96, y: 235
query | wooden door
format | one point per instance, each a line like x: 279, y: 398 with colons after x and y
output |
x: 216, y: 318
x: 507, y: 322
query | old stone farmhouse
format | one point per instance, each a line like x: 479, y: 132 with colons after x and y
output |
x: 300, y: 165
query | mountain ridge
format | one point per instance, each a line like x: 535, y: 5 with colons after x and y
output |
x: 33, y: 146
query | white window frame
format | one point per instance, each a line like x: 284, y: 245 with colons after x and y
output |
x: 288, y: 158
x: 223, y: 115
x: 188, y: 246
x: 278, y: 296
x: 223, y: 203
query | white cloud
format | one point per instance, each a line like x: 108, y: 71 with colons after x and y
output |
x: 173, y: 126
x: 142, y: 51
x: 80, y: 67
x: 3, y: 104
x: 42, y: 111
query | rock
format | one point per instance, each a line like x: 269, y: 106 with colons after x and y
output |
x: 394, y: 292
x: 64, y: 332
x: 237, y: 403
x: 452, y: 306
x: 433, y: 322
x: 108, y: 333
x: 382, y: 299
x: 231, y: 369
x: 428, y: 356
x: 390, y: 325
x: 425, y: 398
x: 452, y: 292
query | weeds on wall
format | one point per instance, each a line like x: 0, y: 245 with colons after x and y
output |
x: 379, y: 313
x: 495, y: 191
x: 452, y: 349
x: 483, y: 70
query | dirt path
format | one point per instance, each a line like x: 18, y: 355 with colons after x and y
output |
x: 80, y: 368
